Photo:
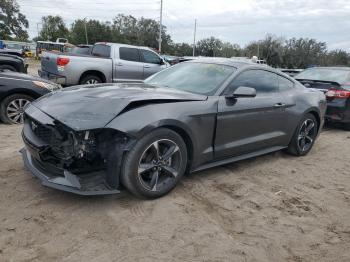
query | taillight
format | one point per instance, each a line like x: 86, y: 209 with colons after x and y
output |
x: 333, y: 93
x: 62, y: 61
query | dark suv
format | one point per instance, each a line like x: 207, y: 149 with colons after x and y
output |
x: 12, y: 63
x: 335, y: 83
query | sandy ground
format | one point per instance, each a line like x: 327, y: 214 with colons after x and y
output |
x: 271, y: 208
x: 33, y: 66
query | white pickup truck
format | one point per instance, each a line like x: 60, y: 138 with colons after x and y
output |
x: 107, y: 63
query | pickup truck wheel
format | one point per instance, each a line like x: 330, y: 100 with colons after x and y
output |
x: 11, y: 108
x: 90, y: 80
x: 7, y: 68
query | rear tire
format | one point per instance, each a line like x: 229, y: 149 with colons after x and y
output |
x: 155, y: 165
x: 11, y: 108
x: 90, y: 80
x: 304, y: 136
x: 8, y: 68
x: 346, y: 126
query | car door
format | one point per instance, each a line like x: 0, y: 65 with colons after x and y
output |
x: 246, y: 125
x: 128, y: 65
x: 152, y: 63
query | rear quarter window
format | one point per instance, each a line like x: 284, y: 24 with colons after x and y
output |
x: 101, y: 51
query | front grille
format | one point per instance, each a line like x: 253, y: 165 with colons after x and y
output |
x: 43, y: 132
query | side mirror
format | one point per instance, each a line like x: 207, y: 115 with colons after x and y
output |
x: 162, y: 62
x: 244, y: 91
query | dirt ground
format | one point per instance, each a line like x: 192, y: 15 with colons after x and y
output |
x: 271, y: 208
x: 33, y: 66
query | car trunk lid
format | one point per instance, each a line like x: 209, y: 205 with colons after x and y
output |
x: 323, y: 86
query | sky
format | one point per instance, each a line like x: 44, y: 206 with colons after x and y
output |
x: 235, y: 21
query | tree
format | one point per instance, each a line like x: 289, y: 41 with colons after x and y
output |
x: 209, y: 47
x: 336, y: 58
x: 271, y: 49
x: 303, y: 52
x: 230, y: 50
x: 96, y: 31
x: 180, y: 49
x: 13, y: 23
x: 53, y: 27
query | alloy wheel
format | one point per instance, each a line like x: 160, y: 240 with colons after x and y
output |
x: 159, y: 165
x: 307, y: 134
x: 92, y: 82
x: 15, y: 110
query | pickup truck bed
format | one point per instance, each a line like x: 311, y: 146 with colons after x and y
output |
x: 107, y: 63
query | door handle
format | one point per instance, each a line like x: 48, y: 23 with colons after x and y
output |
x: 119, y: 64
x: 146, y: 66
x: 279, y: 105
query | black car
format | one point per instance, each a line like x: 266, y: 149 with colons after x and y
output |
x: 18, y: 90
x: 335, y: 83
x: 195, y: 115
x: 12, y: 63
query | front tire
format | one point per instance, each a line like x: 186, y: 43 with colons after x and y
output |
x: 155, y: 165
x: 12, y: 108
x: 304, y: 136
x: 346, y: 126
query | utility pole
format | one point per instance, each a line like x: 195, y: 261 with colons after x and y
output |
x: 37, y: 28
x: 86, y: 36
x: 194, y: 37
x: 160, y: 26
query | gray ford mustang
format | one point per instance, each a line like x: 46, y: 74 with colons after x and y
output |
x: 94, y: 139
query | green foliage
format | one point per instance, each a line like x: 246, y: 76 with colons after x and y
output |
x: 209, y: 47
x: 13, y: 23
x: 123, y: 29
x: 53, y: 27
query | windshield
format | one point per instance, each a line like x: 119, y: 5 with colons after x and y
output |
x: 339, y: 76
x: 198, y: 78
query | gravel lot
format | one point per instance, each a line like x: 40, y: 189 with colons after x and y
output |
x: 34, y: 66
x: 271, y: 208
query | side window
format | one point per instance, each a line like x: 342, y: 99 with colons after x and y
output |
x: 101, y: 50
x: 129, y: 54
x: 150, y: 57
x: 263, y: 81
x: 284, y: 83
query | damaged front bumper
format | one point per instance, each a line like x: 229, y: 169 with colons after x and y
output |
x: 89, y: 184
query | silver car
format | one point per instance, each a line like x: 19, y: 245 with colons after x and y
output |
x: 107, y: 63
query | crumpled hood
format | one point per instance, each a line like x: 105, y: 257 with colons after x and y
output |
x: 91, y: 107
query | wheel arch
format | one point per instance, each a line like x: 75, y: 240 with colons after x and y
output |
x: 316, y: 114
x: 93, y: 72
x: 12, y: 64
x: 187, y: 139
x: 19, y: 92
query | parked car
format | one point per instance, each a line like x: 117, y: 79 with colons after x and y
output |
x: 191, y: 116
x: 13, y: 52
x: 12, y: 63
x: 18, y: 90
x: 291, y: 72
x: 335, y: 83
x: 107, y: 63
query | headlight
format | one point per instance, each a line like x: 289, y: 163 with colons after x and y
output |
x: 45, y: 85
